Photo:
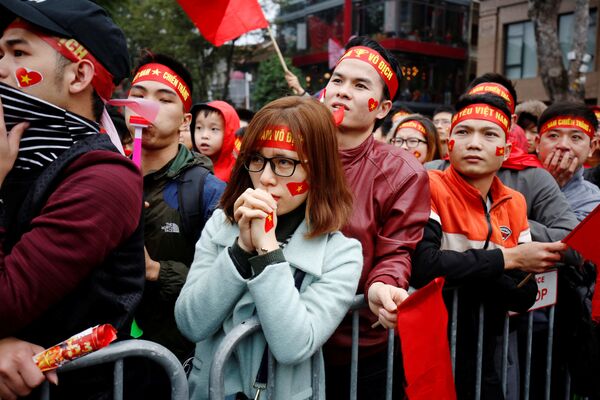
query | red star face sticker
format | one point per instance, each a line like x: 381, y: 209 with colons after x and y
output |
x: 297, y: 188
x: 27, y: 77
x: 450, y: 145
x: 499, y: 151
x: 373, y: 104
x: 269, y: 222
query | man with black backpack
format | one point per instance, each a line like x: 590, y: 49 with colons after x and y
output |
x: 180, y: 195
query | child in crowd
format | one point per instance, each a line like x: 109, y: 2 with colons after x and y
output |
x: 213, y: 130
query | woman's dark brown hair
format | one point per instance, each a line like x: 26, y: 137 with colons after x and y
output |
x: 329, y: 202
x: 433, y: 138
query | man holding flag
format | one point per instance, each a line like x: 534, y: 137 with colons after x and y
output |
x: 478, y: 237
x: 391, y: 207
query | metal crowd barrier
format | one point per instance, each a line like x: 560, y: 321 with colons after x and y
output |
x: 224, y: 351
x: 131, y: 348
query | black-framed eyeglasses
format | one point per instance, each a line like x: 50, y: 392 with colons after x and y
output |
x: 281, y: 166
x: 411, y: 143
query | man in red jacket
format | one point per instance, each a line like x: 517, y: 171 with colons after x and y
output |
x: 71, y: 243
x: 391, y: 208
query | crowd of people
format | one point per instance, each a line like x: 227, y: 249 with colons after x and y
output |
x: 286, y: 214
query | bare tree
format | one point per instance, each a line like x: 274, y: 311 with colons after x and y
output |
x: 560, y: 83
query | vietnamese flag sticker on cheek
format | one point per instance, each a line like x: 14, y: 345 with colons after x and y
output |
x: 297, y: 188
x: 417, y: 154
x: 373, y: 104
x: 27, y: 77
x: 450, y: 145
x: 500, y: 151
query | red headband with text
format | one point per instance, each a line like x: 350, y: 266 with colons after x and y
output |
x: 73, y: 51
x: 375, y: 60
x: 567, y: 122
x: 278, y: 136
x: 483, y: 112
x: 414, y: 125
x: 162, y: 74
x: 498, y: 90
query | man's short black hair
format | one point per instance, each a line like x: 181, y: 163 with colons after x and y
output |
x: 163, y: 59
x: 387, y: 123
x: 486, y: 98
x: 386, y: 54
x: 570, y: 109
x: 444, y: 108
x: 527, y: 120
x: 245, y: 114
x: 494, y: 77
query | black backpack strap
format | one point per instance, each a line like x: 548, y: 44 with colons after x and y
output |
x: 190, y: 194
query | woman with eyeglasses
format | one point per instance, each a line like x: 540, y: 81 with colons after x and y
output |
x: 274, y: 250
x: 419, y: 136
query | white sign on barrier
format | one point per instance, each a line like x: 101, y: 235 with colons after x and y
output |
x: 547, y: 283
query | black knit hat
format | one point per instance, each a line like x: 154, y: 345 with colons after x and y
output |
x: 81, y: 20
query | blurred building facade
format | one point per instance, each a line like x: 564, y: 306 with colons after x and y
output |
x: 507, y: 45
x: 435, y: 42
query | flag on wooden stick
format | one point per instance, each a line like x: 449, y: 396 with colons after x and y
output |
x: 220, y: 21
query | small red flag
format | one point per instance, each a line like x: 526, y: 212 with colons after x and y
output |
x: 269, y: 223
x: 220, y: 21
x: 422, y: 327
x: 580, y: 239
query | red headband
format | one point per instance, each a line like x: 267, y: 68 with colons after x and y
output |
x: 375, y: 60
x: 567, y: 122
x: 399, y: 115
x: 414, y: 125
x: 162, y: 74
x: 73, y: 51
x: 483, y: 112
x: 278, y: 136
x: 498, y: 90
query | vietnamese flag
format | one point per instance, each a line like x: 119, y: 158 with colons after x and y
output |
x: 581, y: 239
x: 269, y: 223
x: 220, y: 21
x: 422, y: 327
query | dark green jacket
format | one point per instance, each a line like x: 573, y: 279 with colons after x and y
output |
x: 166, y: 243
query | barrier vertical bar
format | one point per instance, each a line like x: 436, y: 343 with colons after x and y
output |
x: 453, y: 328
x: 270, y: 375
x: 118, y: 380
x: 549, y: 352
x: 527, y: 382
x: 354, y: 359
x: 478, y: 372
x: 316, y: 373
x: 389, y: 384
x: 505, y: 355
